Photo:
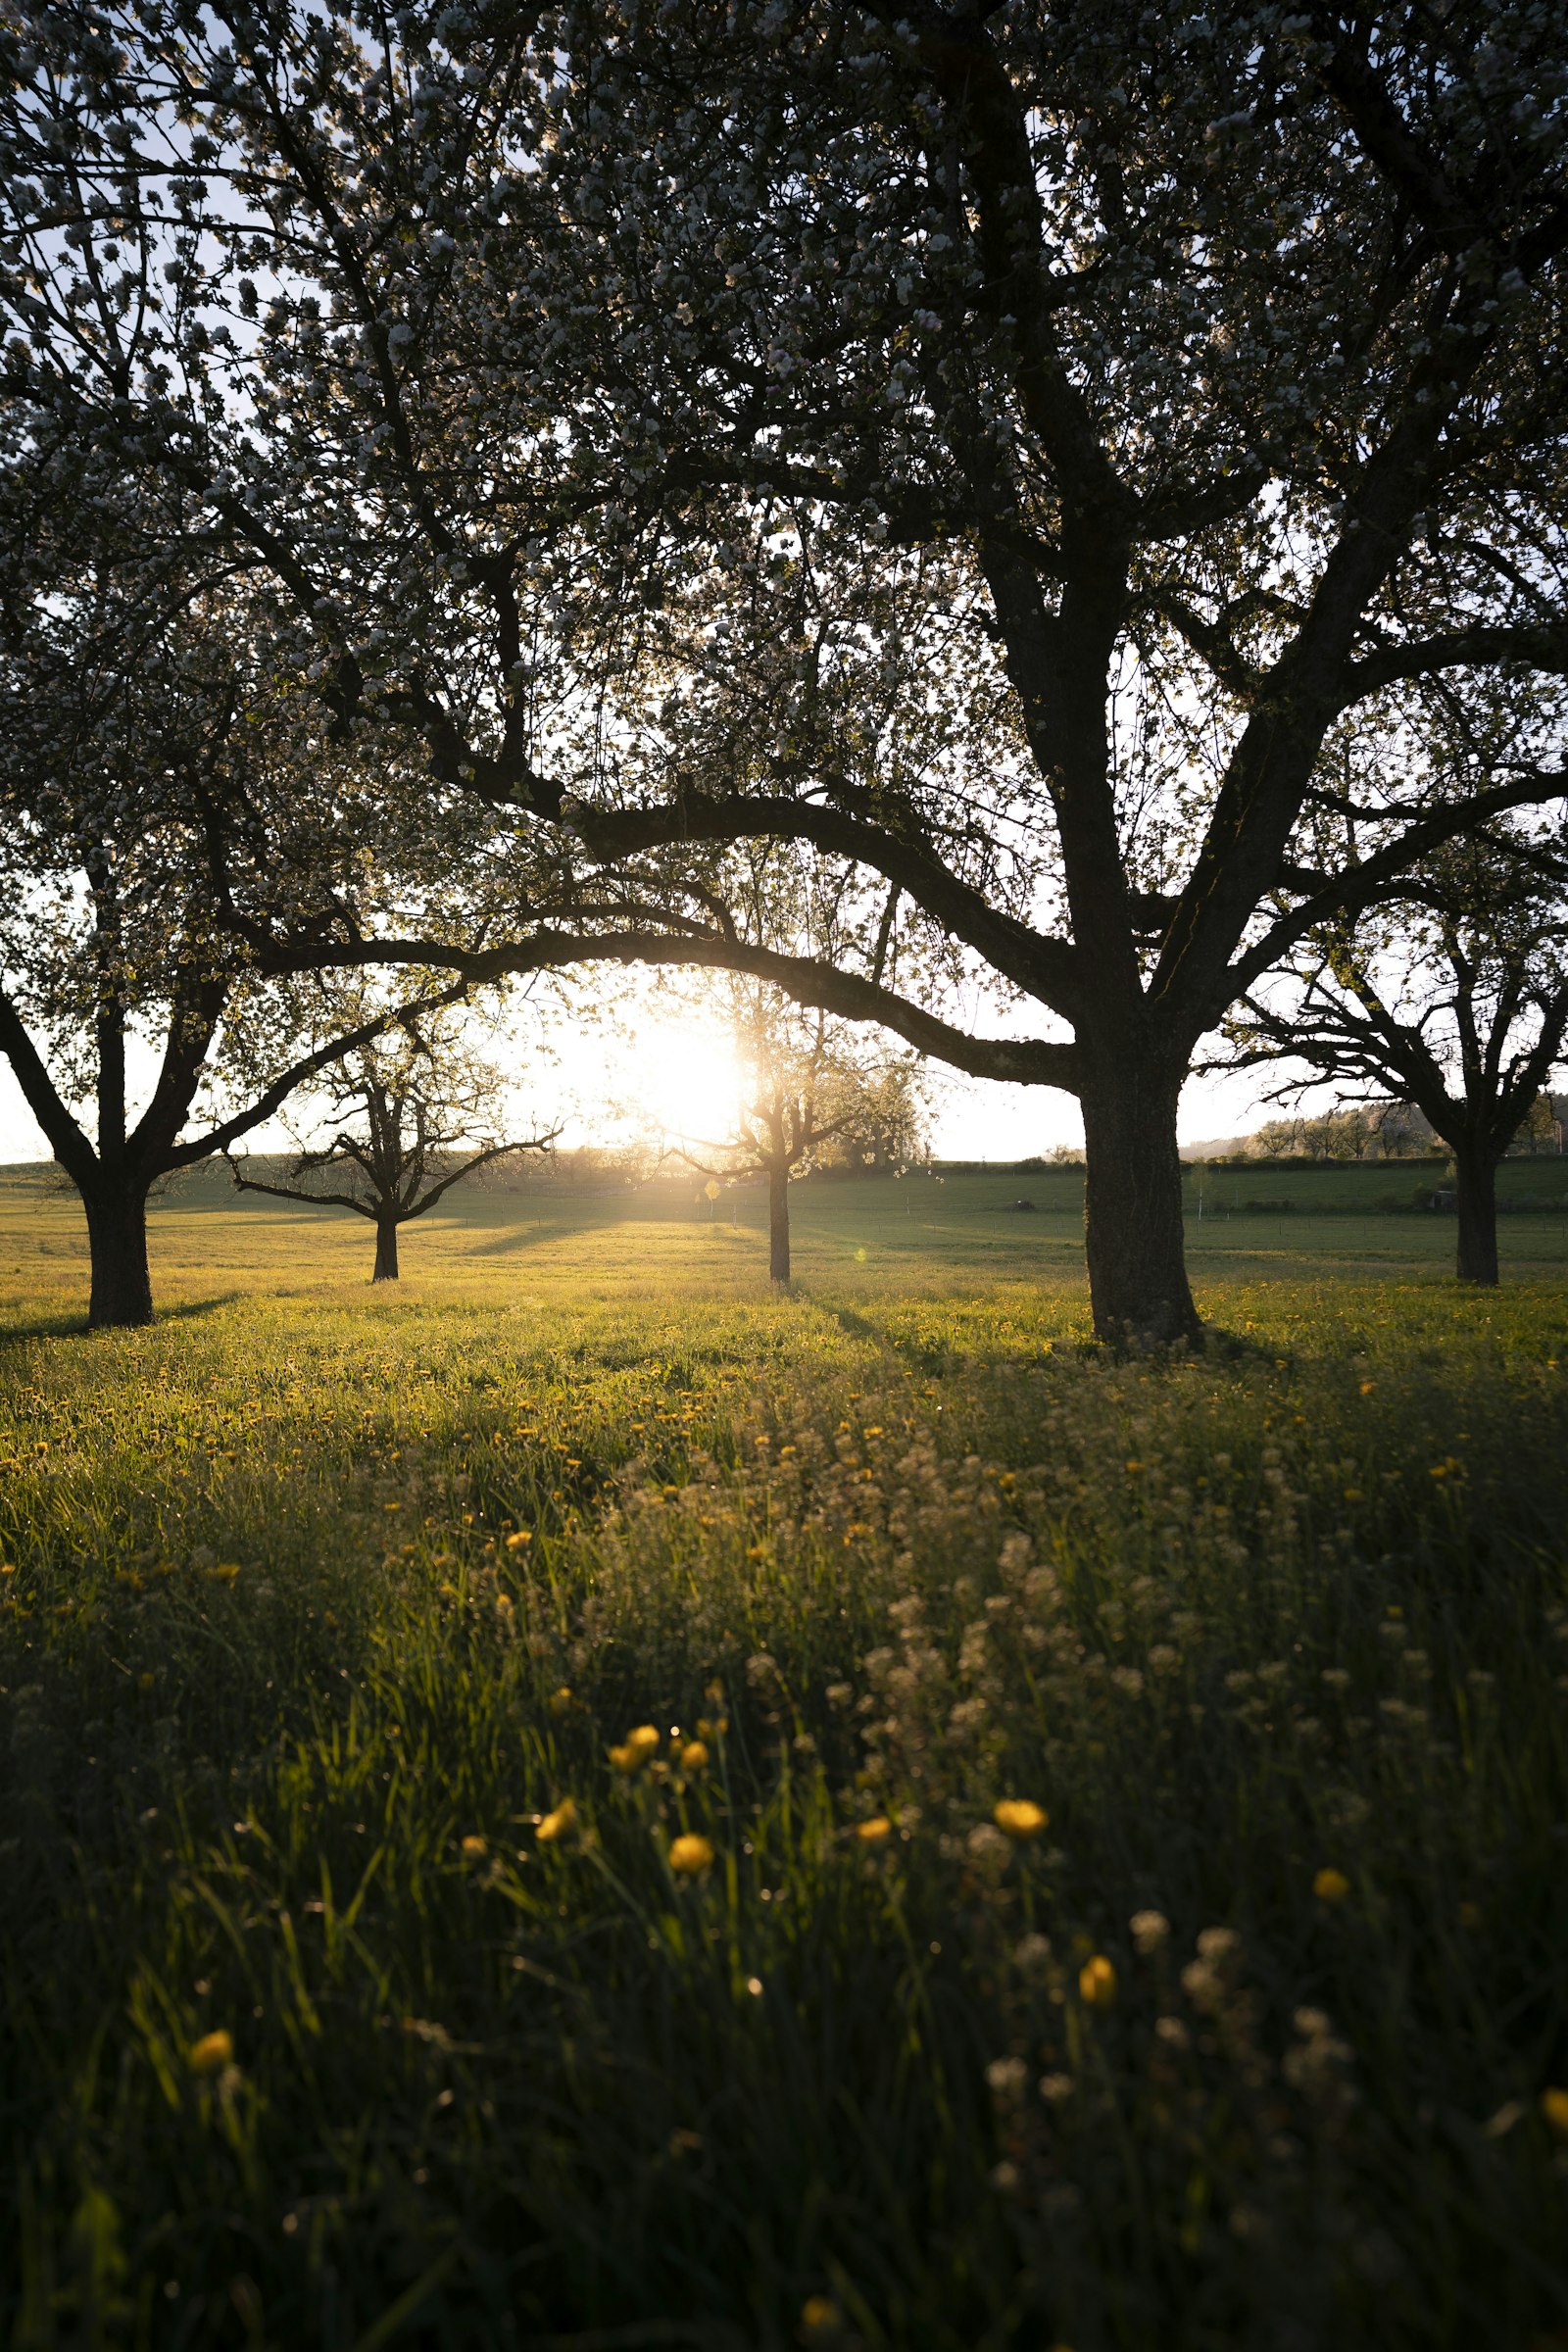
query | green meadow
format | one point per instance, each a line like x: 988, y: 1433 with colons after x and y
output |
x: 579, y: 1803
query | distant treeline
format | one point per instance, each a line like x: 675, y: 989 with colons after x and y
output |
x: 1374, y: 1131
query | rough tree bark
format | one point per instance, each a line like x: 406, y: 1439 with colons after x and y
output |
x: 1133, y: 1235
x: 386, y: 1249
x: 122, y: 1292
x: 1475, y: 1171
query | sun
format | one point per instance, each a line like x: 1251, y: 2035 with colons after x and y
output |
x: 682, y: 1077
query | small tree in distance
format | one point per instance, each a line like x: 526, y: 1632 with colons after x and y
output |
x: 805, y: 1088
x: 1454, y: 999
x: 405, y: 1105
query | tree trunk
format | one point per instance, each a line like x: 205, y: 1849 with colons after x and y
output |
x: 122, y: 1295
x: 778, y: 1222
x: 1475, y: 1174
x: 386, y: 1249
x: 1138, y: 1288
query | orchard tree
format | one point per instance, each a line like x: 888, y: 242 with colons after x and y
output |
x: 1451, y: 996
x: 809, y: 1083
x: 803, y: 1085
x: 184, y: 835
x: 140, y: 726
x: 1194, y: 376
x: 119, y: 993
x: 415, y: 1111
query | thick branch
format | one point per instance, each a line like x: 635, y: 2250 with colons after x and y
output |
x: 64, y: 1136
x: 1542, y: 648
x: 298, y: 1192
x: 535, y: 1143
x: 273, y: 1097
x: 1043, y: 967
x: 1359, y: 886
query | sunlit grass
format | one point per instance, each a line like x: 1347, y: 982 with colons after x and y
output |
x: 382, y: 1962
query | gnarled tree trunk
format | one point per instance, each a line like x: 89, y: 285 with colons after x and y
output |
x: 122, y: 1295
x: 778, y: 1222
x: 386, y: 1249
x: 1138, y: 1285
x: 1475, y: 1173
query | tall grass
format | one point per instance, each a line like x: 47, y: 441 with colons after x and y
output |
x: 355, y: 1993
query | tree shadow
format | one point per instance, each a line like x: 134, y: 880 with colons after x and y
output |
x: 72, y: 1324
x: 542, y: 1230
x: 854, y: 1326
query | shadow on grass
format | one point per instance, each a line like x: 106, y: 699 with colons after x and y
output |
x: 72, y: 1324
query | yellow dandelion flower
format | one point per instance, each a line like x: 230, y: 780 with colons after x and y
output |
x: 690, y: 1855
x: 1097, y: 1983
x: 693, y: 1757
x: 876, y: 1832
x: 561, y: 1701
x: 475, y: 1848
x: 1331, y: 1886
x: 820, y: 2317
x: 213, y: 2051
x: 1554, y: 2107
x: 1019, y: 1818
x: 516, y: 1542
x: 634, y: 1750
x: 557, y: 1824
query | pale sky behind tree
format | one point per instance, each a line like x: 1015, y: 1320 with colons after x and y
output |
x: 644, y: 1066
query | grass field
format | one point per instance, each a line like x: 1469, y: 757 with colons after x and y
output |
x: 499, y: 1819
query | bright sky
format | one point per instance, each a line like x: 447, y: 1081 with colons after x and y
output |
x: 648, y: 1068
